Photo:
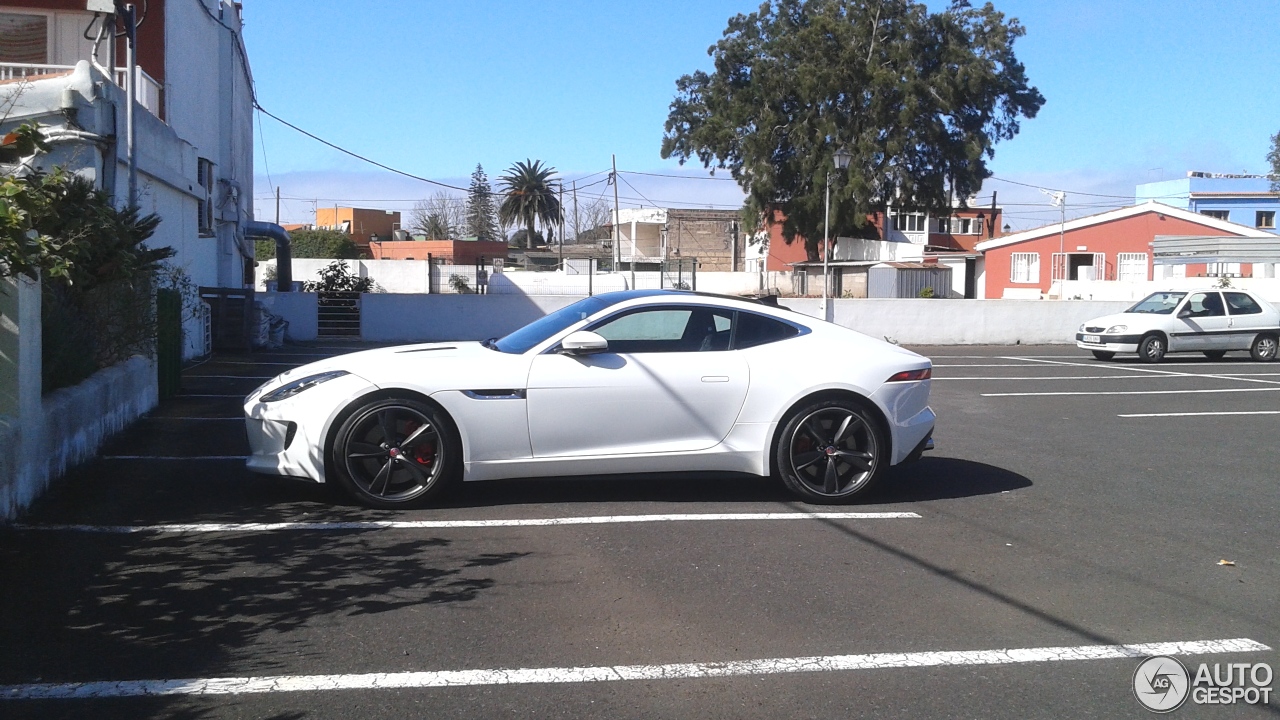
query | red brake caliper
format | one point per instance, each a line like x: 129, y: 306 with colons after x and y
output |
x: 424, y: 452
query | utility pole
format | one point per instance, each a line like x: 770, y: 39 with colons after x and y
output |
x: 131, y: 93
x: 561, y: 187
x: 617, y: 218
x: 277, y: 204
x: 1059, y: 199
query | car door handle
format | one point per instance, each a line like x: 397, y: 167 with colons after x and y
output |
x: 715, y: 378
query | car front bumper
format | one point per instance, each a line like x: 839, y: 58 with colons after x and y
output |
x: 288, y: 437
x: 1108, y: 343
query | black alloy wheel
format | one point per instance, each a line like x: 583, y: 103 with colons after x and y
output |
x: 830, y: 451
x: 395, y: 453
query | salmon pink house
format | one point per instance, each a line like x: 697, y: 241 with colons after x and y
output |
x: 1114, y: 245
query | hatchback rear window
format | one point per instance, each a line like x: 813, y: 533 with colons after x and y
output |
x: 1241, y: 304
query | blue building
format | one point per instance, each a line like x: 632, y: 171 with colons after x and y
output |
x: 1242, y: 199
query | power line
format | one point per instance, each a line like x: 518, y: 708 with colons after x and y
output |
x: 678, y: 177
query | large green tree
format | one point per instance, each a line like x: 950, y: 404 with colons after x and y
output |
x: 482, y: 217
x: 529, y: 196
x: 918, y: 99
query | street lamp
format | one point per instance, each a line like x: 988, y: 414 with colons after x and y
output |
x: 842, y: 158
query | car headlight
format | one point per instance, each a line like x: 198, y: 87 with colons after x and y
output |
x: 1081, y: 328
x: 1117, y: 328
x: 294, y: 387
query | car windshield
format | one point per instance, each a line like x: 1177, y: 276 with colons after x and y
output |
x: 1161, y: 303
x: 535, y: 332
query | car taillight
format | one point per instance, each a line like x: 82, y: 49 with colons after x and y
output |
x: 912, y: 375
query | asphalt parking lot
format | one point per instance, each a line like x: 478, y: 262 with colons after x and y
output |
x: 1072, y: 506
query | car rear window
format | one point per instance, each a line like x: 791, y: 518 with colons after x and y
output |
x: 756, y: 330
x: 1242, y: 304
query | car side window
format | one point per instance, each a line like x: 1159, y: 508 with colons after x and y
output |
x: 754, y: 330
x: 667, y: 330
x: 1205, y: 304
x: 1241, y: 304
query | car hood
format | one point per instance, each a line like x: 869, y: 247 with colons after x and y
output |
x: 426, y: 366
x: 1132, y: 320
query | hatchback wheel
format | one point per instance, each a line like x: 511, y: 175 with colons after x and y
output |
x: 1152, y: 349
x: 830, y: 451
x: 1263, y: 348
x: 395, y: 453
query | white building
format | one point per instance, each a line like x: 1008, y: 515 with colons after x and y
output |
x: 194, y: 131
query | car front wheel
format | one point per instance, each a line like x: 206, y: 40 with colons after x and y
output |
x: 830, y: 451
x: 395, y: 453
x: 1263, y: 348
x: 1152, y: 349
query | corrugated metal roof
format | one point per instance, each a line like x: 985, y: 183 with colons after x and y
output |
x: 1186, y: 249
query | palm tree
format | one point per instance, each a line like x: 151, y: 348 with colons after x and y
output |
x: 529, y: 197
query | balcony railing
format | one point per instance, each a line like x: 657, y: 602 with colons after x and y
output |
x: 148, y: 87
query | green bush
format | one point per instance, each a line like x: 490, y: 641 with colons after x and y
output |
x: 323, y: 244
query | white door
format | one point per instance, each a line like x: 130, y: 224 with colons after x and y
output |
x: 1246, y: 318
x: 1201, y: 324
x: 668, y: 384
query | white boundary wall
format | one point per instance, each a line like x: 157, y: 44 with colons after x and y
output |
x: 387, y: 317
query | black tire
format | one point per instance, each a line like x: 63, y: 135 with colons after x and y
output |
x: 423, y: 456
x: 1263, y: 348
x: 830, y: 450
x: 1152, y: 349
x: 1215, y: 354
x: 1103, y: 354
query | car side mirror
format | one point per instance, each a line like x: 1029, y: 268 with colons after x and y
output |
x: 583, y: 342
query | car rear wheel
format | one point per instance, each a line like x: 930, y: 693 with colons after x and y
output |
x: 1263, y: 348
x: 830, y: 451
x: 1103, y: 354
x: 1152, y: 349
x: 1215, y: 354
x: 395, y: 453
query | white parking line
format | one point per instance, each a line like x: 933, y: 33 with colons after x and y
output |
x: 436, y: 524
x: 1196, y: 414
x: 1128, y: 368
x: 1132, y: 392
x: 161, y: 417
x: 173, y: 457
x: 1062, y: 377
x: 614, y: 673
x: 228, y: 377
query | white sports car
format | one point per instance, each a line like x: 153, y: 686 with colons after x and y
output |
x: 626, y: 382
x: 1207, y: 321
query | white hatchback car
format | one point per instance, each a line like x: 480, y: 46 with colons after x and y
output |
x: 1208, y: 321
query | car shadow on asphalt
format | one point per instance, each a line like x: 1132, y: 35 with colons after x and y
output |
x: 932, y: 478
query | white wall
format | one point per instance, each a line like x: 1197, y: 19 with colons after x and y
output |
x: 389, y: 317
x: 385, y: 317
x: 1268, y: 288
x: 961, y: 322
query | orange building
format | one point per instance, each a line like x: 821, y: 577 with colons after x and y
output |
x: 450, y: 252
x: 362, y: 225
x: 962, y: 230
x: 1114, y: 245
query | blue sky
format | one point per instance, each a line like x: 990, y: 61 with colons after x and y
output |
x: 1135, y: 91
